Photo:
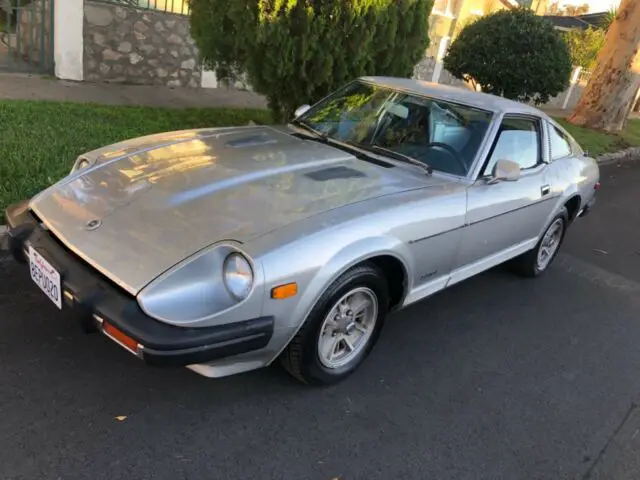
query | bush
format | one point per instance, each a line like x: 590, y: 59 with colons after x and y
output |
x: 584, y: 46
x: 297, y: 51
x: 512, y: 53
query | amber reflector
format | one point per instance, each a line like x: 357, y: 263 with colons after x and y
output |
x: 123, y: 338
x: 284, y: 291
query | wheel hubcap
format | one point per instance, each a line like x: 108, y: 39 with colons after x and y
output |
x: 347, y: 328
x: 550, y: 243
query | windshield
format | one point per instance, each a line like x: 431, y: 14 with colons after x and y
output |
x: 444, y: 135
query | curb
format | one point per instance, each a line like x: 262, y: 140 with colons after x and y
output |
x: 626, y: 154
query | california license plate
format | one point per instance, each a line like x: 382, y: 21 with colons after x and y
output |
x: 45, y: 276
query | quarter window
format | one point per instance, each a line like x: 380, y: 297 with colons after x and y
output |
x: 519, y: 141
x: 560, y: 144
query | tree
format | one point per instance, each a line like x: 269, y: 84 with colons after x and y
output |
x: 585, y: 45
x: 512, y: 53
x: 611, y: 91
x: 298, y: 51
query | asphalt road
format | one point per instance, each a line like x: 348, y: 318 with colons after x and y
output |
x: 497, y: 378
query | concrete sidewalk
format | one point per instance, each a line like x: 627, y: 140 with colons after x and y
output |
x: 36, y: 87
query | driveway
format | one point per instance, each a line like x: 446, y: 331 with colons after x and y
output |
x: 496, y: 378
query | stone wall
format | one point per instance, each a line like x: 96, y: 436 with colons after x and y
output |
x: 128, y: 45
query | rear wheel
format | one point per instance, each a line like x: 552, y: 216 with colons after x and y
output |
x: 536, y: 261
x: 341, y: 329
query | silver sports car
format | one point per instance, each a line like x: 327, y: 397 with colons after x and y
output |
x: 225, y: 249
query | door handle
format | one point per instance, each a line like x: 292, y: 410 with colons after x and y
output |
x: 545, y: 190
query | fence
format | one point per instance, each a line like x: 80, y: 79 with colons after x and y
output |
x: 26, y: 35
x: 181, y: 7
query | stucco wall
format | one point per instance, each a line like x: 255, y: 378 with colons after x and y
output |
x: 67, y: 41
x: 128, y: 45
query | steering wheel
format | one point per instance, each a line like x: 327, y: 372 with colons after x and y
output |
x: 450, y: 151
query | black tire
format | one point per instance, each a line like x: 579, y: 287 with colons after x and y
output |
x: 301, y: 357
x: 526, y: 265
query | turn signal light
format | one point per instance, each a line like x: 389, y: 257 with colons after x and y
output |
x: 596, y: 186
x: 284, y: 291
x: 120, y: 337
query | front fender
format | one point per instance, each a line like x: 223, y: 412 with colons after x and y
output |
x: 337, y: 263
x: 346, y: 258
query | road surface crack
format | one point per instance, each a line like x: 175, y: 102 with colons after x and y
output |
x: 603, y: 451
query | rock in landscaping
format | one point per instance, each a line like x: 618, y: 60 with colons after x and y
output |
x: 124, y: 47
x: 98, y: 15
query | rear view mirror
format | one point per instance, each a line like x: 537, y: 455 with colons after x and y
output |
x: 505, y: 170
x: 301, y: 110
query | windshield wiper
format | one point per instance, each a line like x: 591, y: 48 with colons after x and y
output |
x: 305, y: 126
x: 398, y: 156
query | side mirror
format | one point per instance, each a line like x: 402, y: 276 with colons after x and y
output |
x: 301, y: 110
x: 505, y: 170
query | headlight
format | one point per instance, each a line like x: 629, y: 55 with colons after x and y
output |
x: 238, y: 276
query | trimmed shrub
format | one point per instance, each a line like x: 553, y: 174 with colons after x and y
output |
x: 585, y: 45
x: 512, y: 53
x: 297, y: 51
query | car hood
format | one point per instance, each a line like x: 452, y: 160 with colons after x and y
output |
x: 149, y: 203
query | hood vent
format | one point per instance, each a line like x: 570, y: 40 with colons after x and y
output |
x: 335, y: 173
x: 252, y: 141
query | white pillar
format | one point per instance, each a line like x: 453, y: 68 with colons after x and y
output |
x: 437, y: 69
x: 208, y: 79
x: 575, y: 78
x: 68, y: 44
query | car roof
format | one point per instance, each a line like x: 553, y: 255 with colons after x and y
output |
x: 456, y: 94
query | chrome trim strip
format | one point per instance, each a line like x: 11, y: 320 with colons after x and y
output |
x: 120, y: 343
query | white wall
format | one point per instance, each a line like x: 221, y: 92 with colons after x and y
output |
x: 68, y: 41
x: 208, y: 79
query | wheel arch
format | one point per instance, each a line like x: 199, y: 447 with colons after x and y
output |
x: 386, y: 253
x: 573, y: 206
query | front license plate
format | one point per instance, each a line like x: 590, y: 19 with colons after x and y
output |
x: 45, y: 276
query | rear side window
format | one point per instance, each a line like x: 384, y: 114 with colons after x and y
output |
x: 560, y: 143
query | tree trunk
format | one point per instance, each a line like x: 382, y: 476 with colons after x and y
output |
x: 609, y: 96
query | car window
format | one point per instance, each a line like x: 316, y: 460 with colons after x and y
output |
x: 518, y: 140
x: 560, y: 143
x: 442, y: 134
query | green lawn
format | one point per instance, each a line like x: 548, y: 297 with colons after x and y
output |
x: 597, y: 143
x: 39, y: 141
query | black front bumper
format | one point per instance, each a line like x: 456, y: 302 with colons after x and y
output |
x: 96, y: 301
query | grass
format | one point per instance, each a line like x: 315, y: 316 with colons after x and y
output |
x: 39, y: 141
x: 597, y: 143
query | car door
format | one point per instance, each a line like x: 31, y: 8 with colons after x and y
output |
x: 504, y: 218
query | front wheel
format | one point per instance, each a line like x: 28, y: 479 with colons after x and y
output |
x: 341, y: 329
x: 536, y: 261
